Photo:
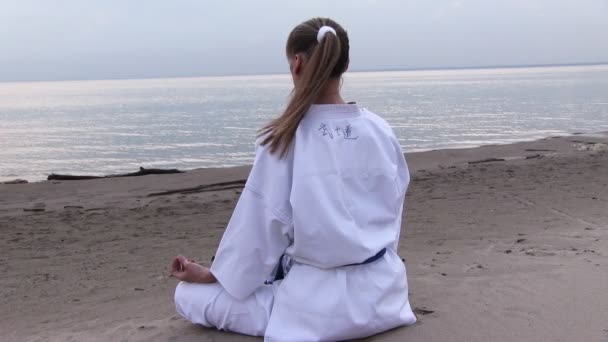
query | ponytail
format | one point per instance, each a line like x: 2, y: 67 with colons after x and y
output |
x: 327, y: 58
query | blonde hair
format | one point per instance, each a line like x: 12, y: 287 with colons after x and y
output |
x: 326, y: 59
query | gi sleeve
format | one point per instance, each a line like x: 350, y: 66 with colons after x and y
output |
x: 403, y: 172
x: 402, y: 180
x: 260, y: 229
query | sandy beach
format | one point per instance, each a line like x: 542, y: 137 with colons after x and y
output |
x: 514, y: 249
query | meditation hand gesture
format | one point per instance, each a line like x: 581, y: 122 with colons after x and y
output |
x: 187, y: 270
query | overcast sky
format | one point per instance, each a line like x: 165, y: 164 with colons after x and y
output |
x: 100, y: 39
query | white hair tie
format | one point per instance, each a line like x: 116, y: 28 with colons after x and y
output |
x: 323, y: 31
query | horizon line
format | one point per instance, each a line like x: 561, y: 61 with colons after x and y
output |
x: 491, y: 66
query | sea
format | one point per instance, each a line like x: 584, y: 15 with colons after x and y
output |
x: 114, y: 126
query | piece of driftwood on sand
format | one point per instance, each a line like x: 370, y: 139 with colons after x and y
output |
x: 238, y: 184
x: 489, y: 160
x: 142, y: 172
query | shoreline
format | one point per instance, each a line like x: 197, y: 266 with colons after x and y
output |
x: 448, y: 68
x: 499, y: 242
x: 12, y: 180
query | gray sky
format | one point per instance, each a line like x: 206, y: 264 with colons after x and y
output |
x: 76, y: 39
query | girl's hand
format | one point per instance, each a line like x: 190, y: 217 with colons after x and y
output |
x: 189, y: 271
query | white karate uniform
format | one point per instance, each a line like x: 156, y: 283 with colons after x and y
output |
x: 335, y: 200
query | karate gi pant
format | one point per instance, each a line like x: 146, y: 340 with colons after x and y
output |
x: 337, y: 304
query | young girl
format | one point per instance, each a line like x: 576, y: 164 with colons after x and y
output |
x: 310, y: 253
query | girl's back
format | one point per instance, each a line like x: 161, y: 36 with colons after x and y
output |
x: 349, y: 179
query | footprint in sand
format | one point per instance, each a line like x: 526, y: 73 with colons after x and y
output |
x: 540, y: 253
x: 142, y: 327
x: 474, y: 267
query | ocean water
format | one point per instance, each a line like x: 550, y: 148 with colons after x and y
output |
x: 113, y: 126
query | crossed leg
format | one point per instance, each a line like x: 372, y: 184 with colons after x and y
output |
x: 211, y: 306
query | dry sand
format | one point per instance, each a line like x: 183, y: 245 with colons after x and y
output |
x: 496, y: 251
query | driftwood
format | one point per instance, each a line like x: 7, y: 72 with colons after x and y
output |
x: 583, y: 142
x: 421, y: 311
x: 141, y: 172
x: 238, y: 184
x: 539, y: 150
x: 15, y: 181
x: 34, y: 209
x: 486, y: 160
x: 53, y: 176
